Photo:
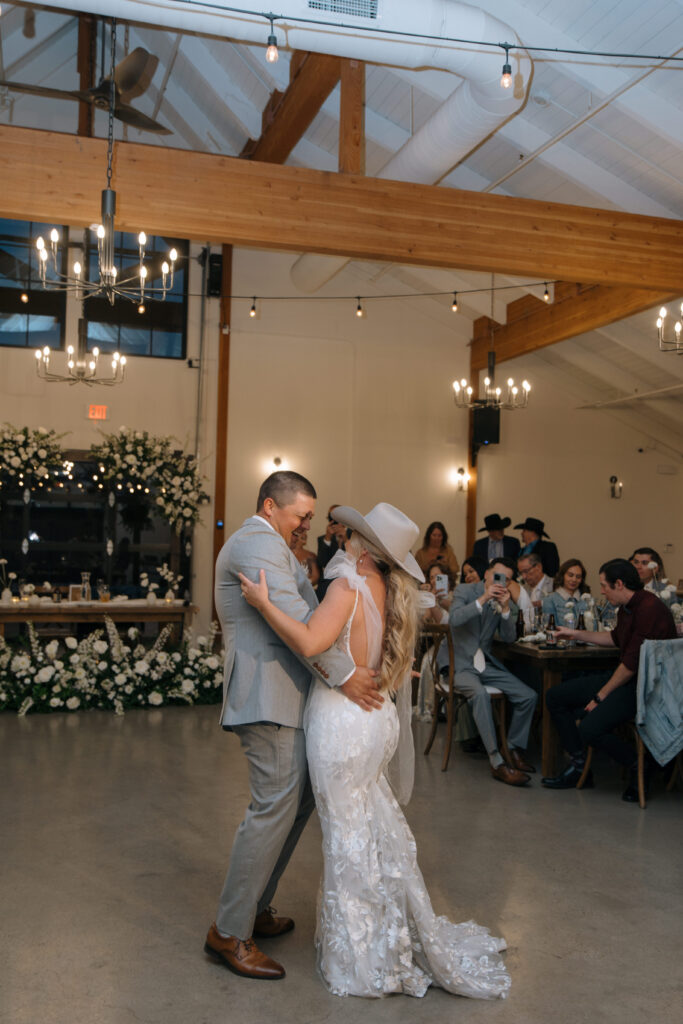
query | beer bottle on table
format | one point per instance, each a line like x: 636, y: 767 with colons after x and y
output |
x: 550, y: 630
x: 520, y: 624
x: 581, y: 624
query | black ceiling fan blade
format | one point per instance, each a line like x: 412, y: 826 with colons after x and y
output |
x: 136, y: 119
x: 135, y: 72
x: 42, y: 90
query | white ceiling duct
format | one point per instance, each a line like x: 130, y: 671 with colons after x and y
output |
x: 476, y: 108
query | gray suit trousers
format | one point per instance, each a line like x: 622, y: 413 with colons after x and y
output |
x: 281, y: 803
x: 523, y: 699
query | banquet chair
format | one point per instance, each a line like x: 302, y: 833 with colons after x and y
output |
x: 448, y: 694
x: 640, y: 750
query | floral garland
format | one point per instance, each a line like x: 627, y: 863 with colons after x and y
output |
x: 136, y: 461
x: 108, y: 672
x: 27, y: 455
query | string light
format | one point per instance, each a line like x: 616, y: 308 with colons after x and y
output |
x: 506, y: 77
x: 546, y: 294
x: 271, y: 51
x: 360, y: 312
x: 252, y: 311
x: 454, y: 304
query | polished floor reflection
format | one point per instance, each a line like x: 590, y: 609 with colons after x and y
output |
x: 115, y: 838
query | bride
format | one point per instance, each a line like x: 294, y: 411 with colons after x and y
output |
x: 377, y: 933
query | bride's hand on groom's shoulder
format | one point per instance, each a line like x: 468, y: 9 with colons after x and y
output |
x: 361, y: 688
x: 255, y: 594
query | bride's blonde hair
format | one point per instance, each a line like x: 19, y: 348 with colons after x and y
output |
x: 400, y: 615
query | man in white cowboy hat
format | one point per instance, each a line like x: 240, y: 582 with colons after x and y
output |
x: 265, y: 691
x: 497, y: 545
x: 533, y: 532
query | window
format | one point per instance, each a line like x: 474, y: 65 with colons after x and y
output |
x: 160, y: 330
x: 30, y: 316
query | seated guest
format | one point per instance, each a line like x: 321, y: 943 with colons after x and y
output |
x: 533, y: 532
x: 331, y: 540
x: 605, y: 699
x: 535, y: 586
x: 438, y: 613
x: 299, y: 550
x: 496, y: 545
x: 477, y: 612
x: 650, y: 568
x: 473, y: 569
x: 435, y: 548
x: 566, y: 599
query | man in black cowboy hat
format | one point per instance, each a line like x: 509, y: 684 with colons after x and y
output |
x: 497, y: 545
x: 533, y: 531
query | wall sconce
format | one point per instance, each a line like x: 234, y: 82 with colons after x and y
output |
x: 275, y: 464
x: 616, y: 487
x: 460, y: 478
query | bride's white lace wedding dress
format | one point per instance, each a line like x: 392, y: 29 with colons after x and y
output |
x: 377, y: 933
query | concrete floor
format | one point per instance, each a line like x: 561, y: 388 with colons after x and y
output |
x: 115, y: 838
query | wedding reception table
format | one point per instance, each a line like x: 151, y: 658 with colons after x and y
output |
x: 74, y: 612
x: 554, y: 663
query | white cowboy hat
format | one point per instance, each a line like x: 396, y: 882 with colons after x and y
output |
x: 389, y: 530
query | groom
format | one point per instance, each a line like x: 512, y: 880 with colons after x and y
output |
x: 265, y: 691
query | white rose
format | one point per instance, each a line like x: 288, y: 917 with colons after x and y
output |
x: 141, y: 667
x: 74, y: 659
x: 212, y: 662
x: 15, y: 462
x: 71, y: 642
x: 73, y: 702
x: 102, y: 666
x: 187, y: 685
x: 51, y: 649
x: 100, y: 646
x: 120, y: 679
x: 45, y: 674
x: 155, y: 698
x: 187, y: 512
x: 79, y: 673
x: 55, y: 702
x: 42, y: 454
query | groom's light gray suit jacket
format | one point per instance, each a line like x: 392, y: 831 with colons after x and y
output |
x: 264, y: 681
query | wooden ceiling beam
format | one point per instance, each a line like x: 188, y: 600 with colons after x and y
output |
x: 352, y: 117
x: 577, y: 309
x: 48, y: 176
x: 288, y: 114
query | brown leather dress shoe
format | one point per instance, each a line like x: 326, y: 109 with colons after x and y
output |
x: 267, y: 925
x: 242, y: 957
x: 519, y: 763
x: 512, y: 776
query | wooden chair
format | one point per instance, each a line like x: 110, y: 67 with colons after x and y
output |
x: 448, y: 694
x: 640, y: 750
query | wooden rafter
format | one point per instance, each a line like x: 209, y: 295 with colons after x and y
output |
x: 288, y: 114
x: 576, y: 309
x: 50, y: 176
x: 352, y: 118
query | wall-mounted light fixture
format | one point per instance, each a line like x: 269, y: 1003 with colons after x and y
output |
x: 459, y: 478
x: 616, y: 487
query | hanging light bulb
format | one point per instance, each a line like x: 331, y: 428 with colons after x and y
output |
x: 271, y: 50
x: 546, y: 294
x: 252, y: 311
x: 454, y: 304
x: 24, y: 297
x: 506, y: 77
x: 360, y: 312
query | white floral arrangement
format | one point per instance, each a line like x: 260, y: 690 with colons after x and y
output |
x: 6, y: 578
x: 108, y: 671
x: 138, y: 462
x: 28, y: 455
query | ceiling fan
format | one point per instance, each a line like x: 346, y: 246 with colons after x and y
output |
x: 132, y: 76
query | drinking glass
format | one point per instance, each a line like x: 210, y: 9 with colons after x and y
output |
x: 103, y: 590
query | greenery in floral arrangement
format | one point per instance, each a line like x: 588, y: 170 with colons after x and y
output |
x: 108, y: 671
x: 150, y: 469
x: 27, y: 456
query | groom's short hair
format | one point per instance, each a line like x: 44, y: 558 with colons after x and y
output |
x: 283, y: 487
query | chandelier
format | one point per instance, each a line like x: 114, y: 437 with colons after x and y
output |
x: 514, y: 397
x: 81, y: 366
x: 132, y: 285
x: 670, y: 342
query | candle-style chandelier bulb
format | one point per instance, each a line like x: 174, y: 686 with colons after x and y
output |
x: 670, y: 340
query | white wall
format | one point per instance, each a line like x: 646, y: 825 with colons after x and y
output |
x: 364, y: 408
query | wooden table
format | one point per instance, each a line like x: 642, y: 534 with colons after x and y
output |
x: 74, y: 612
x: 553, y: 664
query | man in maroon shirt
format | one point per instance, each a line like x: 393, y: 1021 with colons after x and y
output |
x: 602, y: 700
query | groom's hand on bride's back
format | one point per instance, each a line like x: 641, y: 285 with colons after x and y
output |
x: 362, y: 689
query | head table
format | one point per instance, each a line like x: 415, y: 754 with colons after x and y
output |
x: 75, y: 612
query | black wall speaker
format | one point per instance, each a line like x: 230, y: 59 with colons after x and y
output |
x: 486, y: 426
x: 214, y: 276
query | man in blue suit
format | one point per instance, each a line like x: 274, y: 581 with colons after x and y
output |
x: 497, y: 545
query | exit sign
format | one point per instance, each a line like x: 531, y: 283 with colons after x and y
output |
x: 97, y: 412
